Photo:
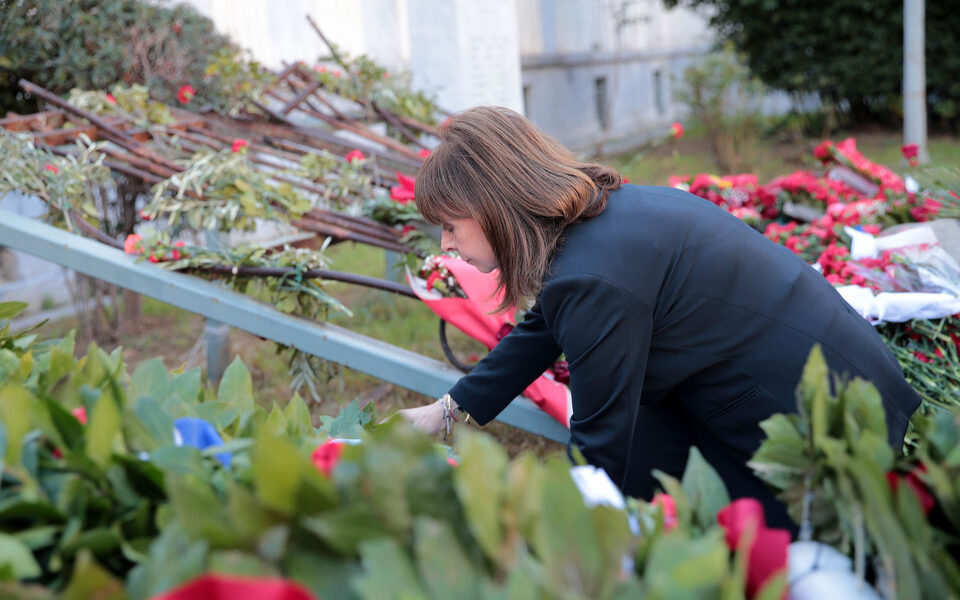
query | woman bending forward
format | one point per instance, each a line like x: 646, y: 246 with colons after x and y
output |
x: 682, y: 325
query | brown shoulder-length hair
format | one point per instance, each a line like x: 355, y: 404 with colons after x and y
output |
x: 521, y: 185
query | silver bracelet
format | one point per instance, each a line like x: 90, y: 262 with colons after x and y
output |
x: 450, y: 408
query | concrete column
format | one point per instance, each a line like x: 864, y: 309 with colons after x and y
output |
x: 914, y: 78
x: 466, y: 52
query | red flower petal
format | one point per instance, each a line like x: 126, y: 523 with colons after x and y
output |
x: 185, y: 93
x: 81, y: 414
x: 223, y: 587
x: 132, y: 244
x: 669, y: 508
x: 768, y: 551
x: 326, y: 456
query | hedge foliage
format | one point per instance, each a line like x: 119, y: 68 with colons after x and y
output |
x: 93, y: 44
x: 850, y: 52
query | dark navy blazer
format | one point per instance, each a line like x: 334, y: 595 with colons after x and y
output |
x: 665, y: 297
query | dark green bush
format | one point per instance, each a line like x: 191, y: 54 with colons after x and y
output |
x: 92, y: 44
x: 850, y: 52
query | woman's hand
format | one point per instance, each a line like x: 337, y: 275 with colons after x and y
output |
x: 428, y: 419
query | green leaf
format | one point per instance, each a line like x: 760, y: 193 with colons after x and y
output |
x: 3, y: 450
x: 9, y: 364
x: 479, y: 481
x: 16, y: 556
x: 15, y: 403
x: 325, y: 575
x: 814, y: 392
x: 277, y: 471
x: 90, y: 580
x: 864, y: 410
x: 235, y: 562
x: 155, y: 422
x: 347, y: 424
x: 298, y: 415
x: 704, y: 489
x: 581, y: 548
x: 679, y: 567
x: 276, y: 423
x: 249, y: 516
x: 201, y: 511
x: 180, y: 460
x: 8, y: 310
x: 102, y: 429
x: 347, y: 527
x: 236, y: 386
x: 387, y: 573
x: 61, y: 365
x: 174, y: 558
x: 150, y: 379
x: 444, y: 567
x: 185, y: 388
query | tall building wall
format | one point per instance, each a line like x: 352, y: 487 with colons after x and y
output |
x: 600, y: 74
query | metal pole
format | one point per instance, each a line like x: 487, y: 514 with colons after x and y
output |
x: 914, y: 78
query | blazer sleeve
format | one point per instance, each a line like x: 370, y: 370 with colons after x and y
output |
x: 605, y: 332
x: 513, y: 364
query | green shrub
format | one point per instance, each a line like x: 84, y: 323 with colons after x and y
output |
x: 850, y: 52
x: 92, y: 44
x: 723, y: 96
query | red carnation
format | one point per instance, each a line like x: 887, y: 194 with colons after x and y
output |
x: 177, y: 255
x: 355, y: 155
x: 185, y: 93
x: 669, y: 509
x: 404, y: 192
x: 80, y: 413
x: 910, y: 152
x: 239, y: 144
x: 824, y: 152
x: 326, y: 456
x: 132, y: 244
x: 676, y: 130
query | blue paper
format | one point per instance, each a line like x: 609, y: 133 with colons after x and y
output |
x: 191, y: 431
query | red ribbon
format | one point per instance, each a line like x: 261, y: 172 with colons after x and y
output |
x: 224, y: 587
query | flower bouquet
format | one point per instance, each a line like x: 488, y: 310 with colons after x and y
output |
x: 464, y: 297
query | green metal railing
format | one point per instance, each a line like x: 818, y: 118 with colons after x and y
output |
x: 368, y: 355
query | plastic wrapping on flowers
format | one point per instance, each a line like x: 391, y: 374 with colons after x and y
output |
x: 808, y: 210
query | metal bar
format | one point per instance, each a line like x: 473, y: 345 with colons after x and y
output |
x: 385, y: 361
x: 114, y: 134
x: 301, y: 96
x: 328, y: 229
x: 370, y: 282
